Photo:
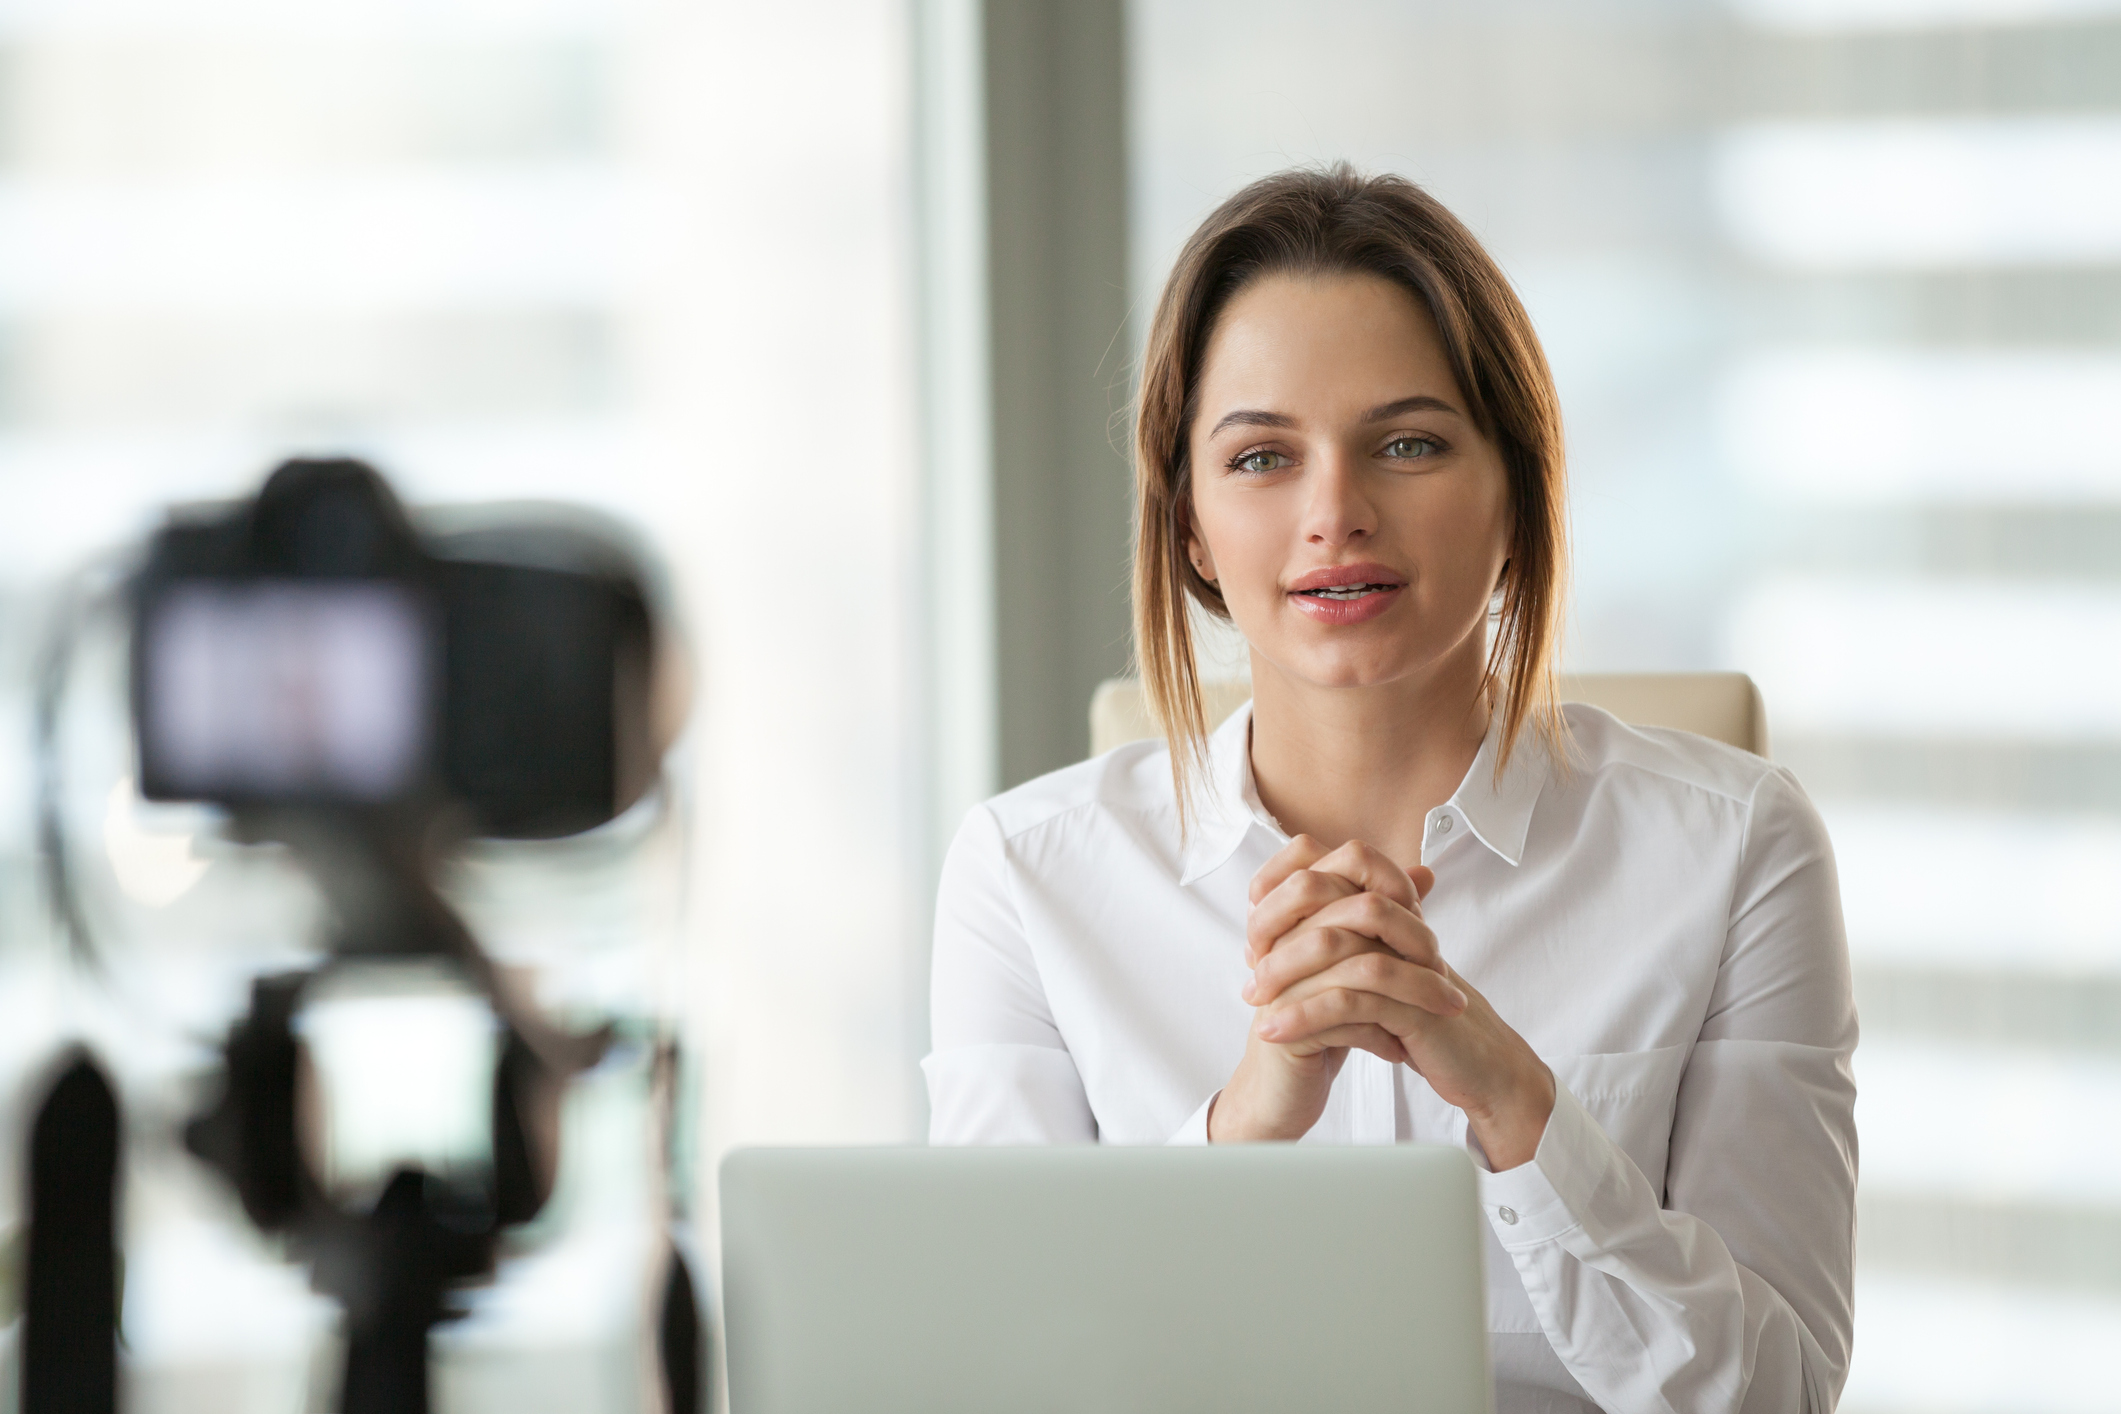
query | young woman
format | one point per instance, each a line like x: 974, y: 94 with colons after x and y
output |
x: 1404, y: 896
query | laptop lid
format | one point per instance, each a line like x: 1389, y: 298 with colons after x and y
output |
x: 1253, y: 1278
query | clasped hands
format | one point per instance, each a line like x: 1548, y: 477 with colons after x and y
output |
x: 1342, y: 960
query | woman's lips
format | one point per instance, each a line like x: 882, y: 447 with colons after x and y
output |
x: 1347, y: 577
x: 1367, y: 603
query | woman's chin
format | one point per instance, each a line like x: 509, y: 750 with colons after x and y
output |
x: 1339, y: 672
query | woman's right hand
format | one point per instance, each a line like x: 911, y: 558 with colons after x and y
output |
x: 1313, y: 909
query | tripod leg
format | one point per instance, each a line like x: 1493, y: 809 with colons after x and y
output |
x: 680, y: 1340
x: 386, y: 1371
x: 70, y: 1306
x: 399, y: 1268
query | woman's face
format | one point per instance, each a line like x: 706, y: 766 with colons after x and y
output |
x: 1353, y: 516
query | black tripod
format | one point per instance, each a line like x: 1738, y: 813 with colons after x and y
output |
x: 392, y: 1267
x: 70, y: 1277
x: 511, y: 670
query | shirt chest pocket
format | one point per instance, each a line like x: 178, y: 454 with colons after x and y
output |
x: 1632, y: 1095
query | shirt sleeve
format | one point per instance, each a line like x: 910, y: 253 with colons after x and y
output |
x: 1194, y: 1132
x: 998, y: 1072
x: 1731, y: 1291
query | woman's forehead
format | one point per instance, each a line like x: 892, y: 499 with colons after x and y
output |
x: 1327, y: 346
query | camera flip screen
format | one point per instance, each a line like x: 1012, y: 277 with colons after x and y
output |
x: 284, y: 689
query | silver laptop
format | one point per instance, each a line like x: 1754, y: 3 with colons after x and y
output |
x: 1269, y: 1277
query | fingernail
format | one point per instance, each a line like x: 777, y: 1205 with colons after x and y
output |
x: 1250, y: 988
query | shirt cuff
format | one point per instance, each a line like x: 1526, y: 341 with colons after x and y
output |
x: 1524, y: 1204
x: 1195, y: 1130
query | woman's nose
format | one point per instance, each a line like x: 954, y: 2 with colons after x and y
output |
x: 1338, y: 509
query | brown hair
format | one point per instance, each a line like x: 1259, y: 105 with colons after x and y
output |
x: 1337, y: 221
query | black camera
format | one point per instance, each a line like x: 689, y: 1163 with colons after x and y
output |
x: 312, y: 648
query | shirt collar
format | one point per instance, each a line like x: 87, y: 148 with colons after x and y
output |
x: 1228, y: 802
x: 1497, y: 809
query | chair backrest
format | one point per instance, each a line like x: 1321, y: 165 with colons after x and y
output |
x: 1725, y: 707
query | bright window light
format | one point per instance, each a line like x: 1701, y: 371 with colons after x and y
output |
x: 480, y: 19
x: 398, y: 240
x: 2043, y: 900
x: 1839, y: 16
x: 1880, y: 425
x: 196, y: 1294
x: 2049, y: 1128
x: 140, y: 470
x: 1930, y: 194
x: 1912, y: 659
x: 1957, y: 1347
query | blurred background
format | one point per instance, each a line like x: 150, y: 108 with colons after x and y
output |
x: 837, y: 303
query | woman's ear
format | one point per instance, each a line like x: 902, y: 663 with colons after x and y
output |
x: 1203, y: 562
x: 1196, y: 548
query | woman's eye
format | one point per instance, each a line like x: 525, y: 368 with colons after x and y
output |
x: 1410, y: 447
x: 1260, y: 462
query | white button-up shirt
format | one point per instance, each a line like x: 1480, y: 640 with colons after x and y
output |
x: 1659, y: 919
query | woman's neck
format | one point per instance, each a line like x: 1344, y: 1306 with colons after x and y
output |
x: 1365, y: 763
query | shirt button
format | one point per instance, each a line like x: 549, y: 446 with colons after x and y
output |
x: 1508, y: 1215
x: 1443, y: 824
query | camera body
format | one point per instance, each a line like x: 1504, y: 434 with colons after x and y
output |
x: 312, y: 649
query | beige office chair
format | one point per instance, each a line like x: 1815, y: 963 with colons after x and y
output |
x: 1723, y: 706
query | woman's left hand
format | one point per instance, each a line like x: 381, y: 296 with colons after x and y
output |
x: 1473, y: 1060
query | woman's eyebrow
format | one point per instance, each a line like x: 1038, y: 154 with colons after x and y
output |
x: 1420, y: 402
x: 1260, y: 417
x: 1252, y: 417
